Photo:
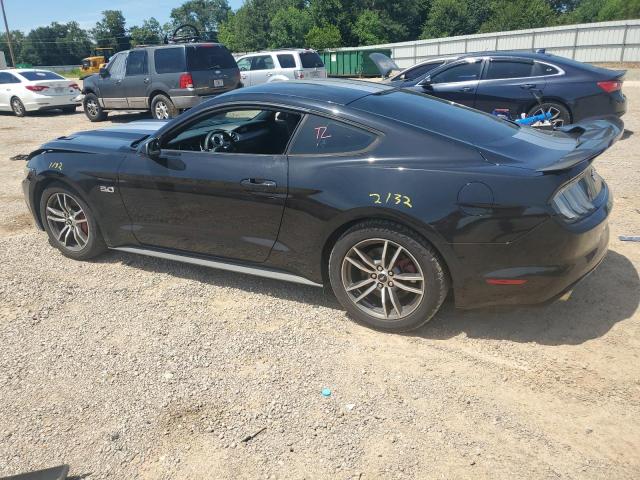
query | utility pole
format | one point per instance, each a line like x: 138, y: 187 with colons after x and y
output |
x: 6, y: 25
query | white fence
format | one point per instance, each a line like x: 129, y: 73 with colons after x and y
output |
x: 588, y: 42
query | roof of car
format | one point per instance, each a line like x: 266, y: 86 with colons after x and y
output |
x: 280, y: 50
x: 340, y: 92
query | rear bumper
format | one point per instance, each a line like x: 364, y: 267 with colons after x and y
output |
x: 599, y: 106
x: 549, y: 261
x: 47, y: 103
x: 190, y: 101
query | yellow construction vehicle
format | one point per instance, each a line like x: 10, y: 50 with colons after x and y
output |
x: 98, y: 59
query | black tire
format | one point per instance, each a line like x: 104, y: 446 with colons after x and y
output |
x: 18, y: 107
x: 95, y: 244
x: 561, y: 115
x: 92, y: 108
x: 435, y: 283
x: 69, y: 109
x: 162, y: 108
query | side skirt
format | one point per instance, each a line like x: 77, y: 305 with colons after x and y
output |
x: 221, y: 265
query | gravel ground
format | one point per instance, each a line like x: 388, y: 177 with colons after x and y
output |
x: 133, y: 367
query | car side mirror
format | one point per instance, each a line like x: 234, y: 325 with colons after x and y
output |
x: 152, y: 149
x: 104, y: 72
x: 426, y: 83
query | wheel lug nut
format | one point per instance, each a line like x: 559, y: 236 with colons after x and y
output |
x: 390, y: 273
x: 391, y: 284
x: 380, y: 286
x: 379, y: 268
x: 373, y: 275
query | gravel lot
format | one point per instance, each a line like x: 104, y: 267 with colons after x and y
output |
x: 130, y: 367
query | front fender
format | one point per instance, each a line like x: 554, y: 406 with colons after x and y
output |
x: 85, y: 174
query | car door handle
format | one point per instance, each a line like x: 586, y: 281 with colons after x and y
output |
x: 466, y: 89
x: 528, y: 86
x: 269, y: 74
x: 146, y: 80
x: 258, y: 183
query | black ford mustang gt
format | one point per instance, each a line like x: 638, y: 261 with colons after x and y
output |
x: 392, y: 197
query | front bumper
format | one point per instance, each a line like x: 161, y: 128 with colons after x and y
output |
x: 548, y: 261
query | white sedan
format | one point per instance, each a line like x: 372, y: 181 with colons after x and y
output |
x: 26, y: 90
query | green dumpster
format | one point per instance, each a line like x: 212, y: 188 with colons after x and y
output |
x: 352, y: 63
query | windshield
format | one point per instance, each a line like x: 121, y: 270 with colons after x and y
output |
x: 209, y: 57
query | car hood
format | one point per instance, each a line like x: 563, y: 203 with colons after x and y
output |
x: 114, y: 138
x: 553, y: 151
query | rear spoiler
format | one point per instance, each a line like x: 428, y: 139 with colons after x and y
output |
x: 383, y: 63
x: 593, y: 137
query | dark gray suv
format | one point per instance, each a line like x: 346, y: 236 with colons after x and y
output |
x: 164, y: 79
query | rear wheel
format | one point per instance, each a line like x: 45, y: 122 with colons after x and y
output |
x: 18, y: 107
x: 387, y: 277
x: 70, y: 224
x: 162, y: 108
x: 559, y: 114
x: 92, y: 108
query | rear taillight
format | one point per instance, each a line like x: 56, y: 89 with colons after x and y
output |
x: 610, y: 85
x: 74, y: 85
x: 186, y: 80
x: 36, y: 88
x: 298, y: 74
x: 579, y: 197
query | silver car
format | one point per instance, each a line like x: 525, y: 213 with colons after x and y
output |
x: 280, y: 65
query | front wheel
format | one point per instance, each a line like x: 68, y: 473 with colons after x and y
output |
x: 559, y: 114
x: 92, y: 108
x: 387, y: 277
x: 70, y: 224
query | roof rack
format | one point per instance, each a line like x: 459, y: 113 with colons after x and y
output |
x: 184, y: 37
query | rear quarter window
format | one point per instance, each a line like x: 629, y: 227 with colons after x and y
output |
x: 311, y: 60
x: 209, y: 57
x: 169, y: 60
x: 42, y: 75
x: 321, y: 135
x: 542, y: 69
x: 286, y: 61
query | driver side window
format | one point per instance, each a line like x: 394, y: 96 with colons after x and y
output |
x: 245, y: 130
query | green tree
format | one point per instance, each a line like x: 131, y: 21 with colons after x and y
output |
x: 619, y: 10
x: 17, y: 42
x: 603, y: 10
x: 149, y: 33
x: 205, y: 15
x: 519, y: 14
x: 370, y: 28
x: 55, y: 44
x: 111, y: 31
x: 289, y: 27
x: 448, y: 18
x: 321, y: 38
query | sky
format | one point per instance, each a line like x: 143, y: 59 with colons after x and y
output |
x: 25, y: 15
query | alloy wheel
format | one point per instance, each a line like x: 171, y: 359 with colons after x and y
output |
x: 383, y: 279
x: 162, y: 110
x: 92, y: 107
x: 556, y: 119
x: 67, y: 221
x: 17, y: 106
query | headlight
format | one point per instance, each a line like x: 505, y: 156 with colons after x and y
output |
x: 579, y: 197
x: 28, y: 172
